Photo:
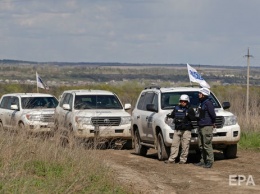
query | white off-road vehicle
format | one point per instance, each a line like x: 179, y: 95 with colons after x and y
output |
x: 151, y: 129
x: 33, y: 112
x: 93, y: 114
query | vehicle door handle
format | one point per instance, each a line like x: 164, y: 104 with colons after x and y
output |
x: 138, y: 117
x: 146, y: 118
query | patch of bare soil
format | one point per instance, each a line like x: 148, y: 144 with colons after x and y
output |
x: 149, y: 175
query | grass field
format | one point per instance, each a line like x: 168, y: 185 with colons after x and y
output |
x: 37, y: 165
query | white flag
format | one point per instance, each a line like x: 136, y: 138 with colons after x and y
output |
x: 196, y: 77
x: 40, y: 83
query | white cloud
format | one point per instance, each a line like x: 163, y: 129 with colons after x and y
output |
x: 142, y: 31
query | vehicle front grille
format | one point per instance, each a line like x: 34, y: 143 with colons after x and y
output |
x: 47, y: 118
x: 219, y: 122
x: 106, y: 121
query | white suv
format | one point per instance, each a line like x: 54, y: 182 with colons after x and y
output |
x: 88, y: 114
x: 151, y: 129
x: 31, y: 111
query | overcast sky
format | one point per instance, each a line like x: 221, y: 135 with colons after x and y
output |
x: 206, y: 32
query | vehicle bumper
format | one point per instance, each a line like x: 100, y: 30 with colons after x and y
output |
x: 222, y: 136
x: 108, y: 132
x: 39, y: 127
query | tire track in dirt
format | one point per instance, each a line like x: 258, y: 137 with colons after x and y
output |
x: 148, y: 175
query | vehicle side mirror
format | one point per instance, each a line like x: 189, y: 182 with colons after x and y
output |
x: 151, y: 107
x: 226, y: 105
x: 127, y: 106
x: 14, y: 107
x: 66, y: 106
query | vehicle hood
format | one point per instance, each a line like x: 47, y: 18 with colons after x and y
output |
x: 222, y: 112
x: 38, y: 111
x: 101, y: 113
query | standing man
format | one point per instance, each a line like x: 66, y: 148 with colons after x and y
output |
x: 182, y: 114
x: 206, y: 122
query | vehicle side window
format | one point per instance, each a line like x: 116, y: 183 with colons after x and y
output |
x: 15, y: 101
x: 155, y: 101
x: 70, y: 99
x: 141, y: 101
x: 148, y: 99
x: 67, y: 99
x: 4, y: 102
x: 62, y: 100
x: 12, y: 100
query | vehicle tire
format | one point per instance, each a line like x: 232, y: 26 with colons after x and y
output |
x: 56, y: 125
x: 21, y: 126
x: 128, y: 145
x: 1, y: 126
x: 162, y: 150
x: 65, y: 137
x: 197, y: 155
x: 230, y: 151
x: 139, y: 149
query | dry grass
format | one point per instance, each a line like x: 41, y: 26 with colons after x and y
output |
x: 38, y: 165
x: 236, y: 95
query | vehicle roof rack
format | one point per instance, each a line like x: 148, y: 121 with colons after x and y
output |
x: 193, y: 86
x: 151, y: 87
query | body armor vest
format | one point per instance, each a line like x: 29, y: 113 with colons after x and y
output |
x: 203, y: 113
x: 180, y: 115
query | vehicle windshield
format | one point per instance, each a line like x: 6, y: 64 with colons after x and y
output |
x: 97, y: 102
x: 39, y: 102
x: 170, y: 100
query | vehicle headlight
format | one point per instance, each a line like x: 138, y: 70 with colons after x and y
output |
x: 33, y: 117
x: 83, y: 120
x: 230, y: 120
x: 125, y: 120
x: 169, y: 121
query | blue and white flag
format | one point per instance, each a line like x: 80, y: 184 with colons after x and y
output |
x: 40, y: 83
x: 196, y: 77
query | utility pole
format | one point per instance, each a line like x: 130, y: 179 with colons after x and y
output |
x: 247, y: 84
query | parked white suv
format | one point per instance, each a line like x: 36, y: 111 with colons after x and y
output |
x: 31, y: 111
x: 151, y: 129
x: 91, y: 114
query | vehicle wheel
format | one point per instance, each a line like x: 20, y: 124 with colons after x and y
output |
x: 65, y: 137
x: 128, y: 145
x: 230, y: 151
x: 1, y: 126
x: 139, y: 149
x: 163, y: 151
x: 21, y: 126
x: 197, y: 155
x: 56, y: 125
x: 21, y: 130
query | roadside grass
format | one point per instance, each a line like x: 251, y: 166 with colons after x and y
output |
x: 36, y: 165
x: 250, y: 140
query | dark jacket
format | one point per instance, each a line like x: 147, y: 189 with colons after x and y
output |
x: 182, y: 117
x: 207, y: 115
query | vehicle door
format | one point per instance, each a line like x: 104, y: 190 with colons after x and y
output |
x: 64, y: 114
x: 14, y: 115
x: 4, y: 111
x: 10, y: 117
x: 146, y: 118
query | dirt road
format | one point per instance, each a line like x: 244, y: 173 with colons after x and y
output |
x: 148, y: 175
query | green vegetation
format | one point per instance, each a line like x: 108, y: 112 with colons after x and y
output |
x: 35, y: 165
x: 129, y: 91
x: 250, y: 140
x: 72, y: 73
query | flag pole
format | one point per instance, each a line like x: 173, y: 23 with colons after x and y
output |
x: 37, y: 83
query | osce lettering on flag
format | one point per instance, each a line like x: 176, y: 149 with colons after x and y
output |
x: 40, y: 83
x: 196, y: 77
